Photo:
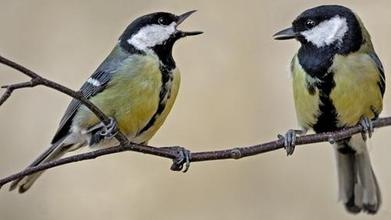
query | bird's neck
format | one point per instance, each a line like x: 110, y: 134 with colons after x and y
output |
x: 164, y: 53
x: 316, y: 61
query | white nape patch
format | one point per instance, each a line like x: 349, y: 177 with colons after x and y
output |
x: 327, y: 32
x: 94, y: 82
x: 152, y: 35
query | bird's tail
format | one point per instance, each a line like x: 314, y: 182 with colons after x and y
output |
x: 54, y: 152
x: 358, y: 187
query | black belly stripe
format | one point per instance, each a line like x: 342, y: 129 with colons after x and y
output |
x: 327, y: 118
x: 165, y: 92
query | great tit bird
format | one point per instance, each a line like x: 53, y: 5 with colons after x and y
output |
x: 136, y: 86
x: 338, y: 81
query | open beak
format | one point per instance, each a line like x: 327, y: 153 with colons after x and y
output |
x: 285, y: 34
x: 183, y: 17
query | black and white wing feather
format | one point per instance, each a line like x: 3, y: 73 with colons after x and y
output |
x: 96, y: 83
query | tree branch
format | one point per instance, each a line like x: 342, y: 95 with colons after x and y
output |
x: 170, y: 153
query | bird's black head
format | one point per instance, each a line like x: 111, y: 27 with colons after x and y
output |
x: 332, y: 26
x: 156, y: 31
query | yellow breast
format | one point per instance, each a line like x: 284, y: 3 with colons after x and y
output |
x: 306, y: 104
x: 148, y: 134
x: 356, y: 93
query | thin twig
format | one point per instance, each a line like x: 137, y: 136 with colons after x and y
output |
x: 125, y: 145
x: 11, y: 88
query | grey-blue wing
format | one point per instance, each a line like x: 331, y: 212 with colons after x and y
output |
x: 95, y: 84
x: 88, y: 90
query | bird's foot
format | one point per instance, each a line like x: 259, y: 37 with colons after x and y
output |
x: 110, y: 130
x: 367, y: 126
x: 102, y: 131
x: 290, y: 140
x: 182, y: 161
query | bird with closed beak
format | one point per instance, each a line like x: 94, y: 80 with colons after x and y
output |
x: 136, y: 86
x: 338, y: 81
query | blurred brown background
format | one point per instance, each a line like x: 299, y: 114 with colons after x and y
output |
x: 235, y: 91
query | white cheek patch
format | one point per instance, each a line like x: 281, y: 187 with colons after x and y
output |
x: 152, y: 35
x: 327, y: 32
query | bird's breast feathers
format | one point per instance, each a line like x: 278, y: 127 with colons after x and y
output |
x: 355, y: 94
x: 306, y: 100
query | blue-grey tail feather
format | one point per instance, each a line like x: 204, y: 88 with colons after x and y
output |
x: 55, y: 151
x: 358, y: 186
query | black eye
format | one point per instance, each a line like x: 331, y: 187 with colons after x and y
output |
x: 161, y: 20
x: 310, y: 23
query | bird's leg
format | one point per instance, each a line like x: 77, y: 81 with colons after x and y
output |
x: 182, y: 161
x: 367, y: 126
x: 290, y: 139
